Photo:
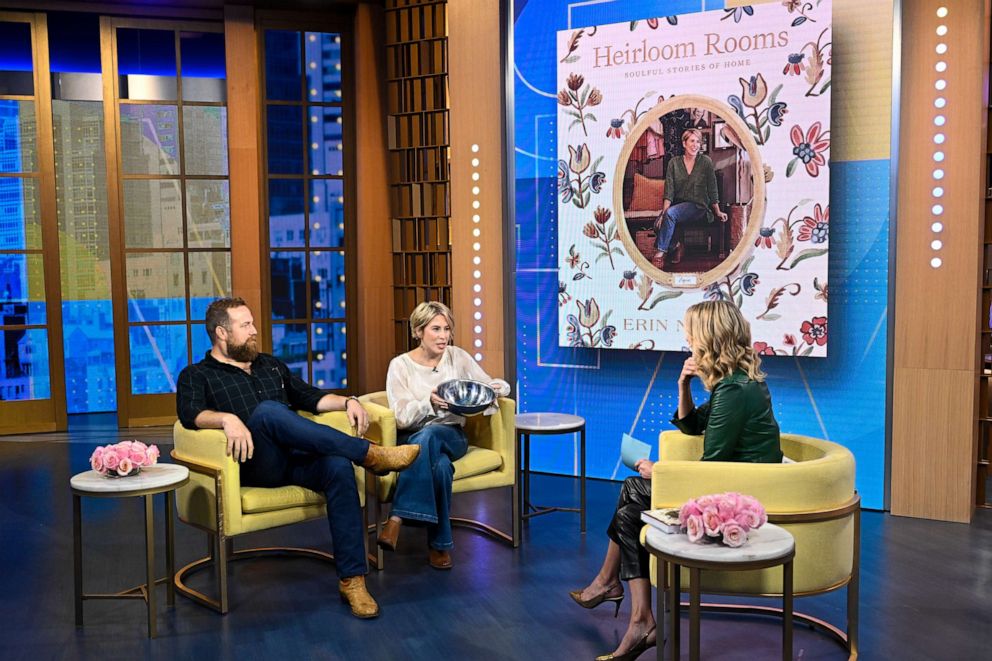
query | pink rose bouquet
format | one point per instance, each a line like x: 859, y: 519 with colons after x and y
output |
x: 724, y: 517
x: 124, y: 458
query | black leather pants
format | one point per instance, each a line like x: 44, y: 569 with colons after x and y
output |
x: 625, y: 528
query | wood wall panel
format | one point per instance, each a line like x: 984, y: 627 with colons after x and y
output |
x: 375, y: 343
x: 936, y: 309
x: 475, y: 82
x: 244, y: 145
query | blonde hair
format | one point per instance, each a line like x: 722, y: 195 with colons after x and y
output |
x: 722, y: 342
x: 423, y: 313
x: 696, y: 132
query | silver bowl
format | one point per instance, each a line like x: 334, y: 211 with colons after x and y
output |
x: 465, y: 396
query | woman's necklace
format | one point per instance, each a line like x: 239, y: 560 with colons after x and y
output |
x: 429, y: 362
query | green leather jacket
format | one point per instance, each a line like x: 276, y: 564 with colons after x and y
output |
x: 737, y: 424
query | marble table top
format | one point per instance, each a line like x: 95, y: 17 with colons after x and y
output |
x: 159, y: 476
x: 549, y: 422
x: 766, y: 543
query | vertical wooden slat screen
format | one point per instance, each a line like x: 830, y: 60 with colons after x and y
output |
x: 417, y: 139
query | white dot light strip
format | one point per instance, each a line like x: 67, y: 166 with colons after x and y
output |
x: 940, y: 103
x: 476, y: 258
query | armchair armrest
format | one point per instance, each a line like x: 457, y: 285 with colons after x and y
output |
x: 676, y: 446
x: 496, y: 432
x: 197, y: 501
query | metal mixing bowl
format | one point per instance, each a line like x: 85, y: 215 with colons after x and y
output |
x: 465, y: 396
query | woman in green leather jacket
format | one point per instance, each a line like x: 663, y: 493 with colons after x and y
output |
x: 737, y: 423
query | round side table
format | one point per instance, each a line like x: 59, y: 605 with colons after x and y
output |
x: 546, y: 424
x: 768, y: 546
x: 161, y: 478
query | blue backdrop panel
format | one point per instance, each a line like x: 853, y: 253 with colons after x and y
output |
x: 841, y: 398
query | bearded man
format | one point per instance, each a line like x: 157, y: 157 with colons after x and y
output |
x: 253, y: 397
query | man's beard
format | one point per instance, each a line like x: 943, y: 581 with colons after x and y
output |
x: 243, y: 353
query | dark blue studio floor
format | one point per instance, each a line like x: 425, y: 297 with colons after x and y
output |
x: 926, y: 590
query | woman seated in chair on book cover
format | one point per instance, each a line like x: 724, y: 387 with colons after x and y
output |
x: 737, y: 424
x: 423, y: 491
x: 690, y: 195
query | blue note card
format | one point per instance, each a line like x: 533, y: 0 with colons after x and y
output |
x: 633, y: 450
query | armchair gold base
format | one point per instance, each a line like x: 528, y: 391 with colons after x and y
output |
x: 814, y: 623
x: 486, y: 529
x: 220, y: 605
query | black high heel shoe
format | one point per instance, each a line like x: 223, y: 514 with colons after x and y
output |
x: 639, y: 648
x: 576, y: 596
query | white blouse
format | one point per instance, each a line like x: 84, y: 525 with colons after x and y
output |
x: 409, y: 386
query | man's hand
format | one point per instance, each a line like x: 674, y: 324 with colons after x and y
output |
x: 689, y: 370
x: 357, y: 416
x: 239, y: 445
x: 644, y: 468
x: 721, y: 216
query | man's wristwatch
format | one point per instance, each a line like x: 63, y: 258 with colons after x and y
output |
x: 350, y: 398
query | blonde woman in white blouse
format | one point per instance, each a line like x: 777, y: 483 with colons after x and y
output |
x: 423, y: 491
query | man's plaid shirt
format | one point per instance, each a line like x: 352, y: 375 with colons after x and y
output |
x: 216, y: 386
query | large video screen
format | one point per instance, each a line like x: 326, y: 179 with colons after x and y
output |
x: 693, y: 159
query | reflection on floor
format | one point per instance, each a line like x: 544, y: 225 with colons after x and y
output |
x: 925, y: 589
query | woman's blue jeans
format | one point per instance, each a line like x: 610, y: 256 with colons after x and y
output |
x: 683, y: 212
x: 289, y: 449
x: 423, y: 491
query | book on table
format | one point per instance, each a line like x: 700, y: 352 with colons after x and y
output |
x: 665, y: 520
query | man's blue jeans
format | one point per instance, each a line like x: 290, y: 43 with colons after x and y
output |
x: 423, y: 491
x: 683, y: 212
x: 289, y: 449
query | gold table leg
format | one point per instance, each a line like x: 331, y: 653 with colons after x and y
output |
x: 676, y: 607
x: 787, y: 611
x: 77, y: 557
x: 150, y: 563
x: 170, y: 549
x: 693, y: 614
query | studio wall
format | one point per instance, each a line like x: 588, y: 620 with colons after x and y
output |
x: 841, y: 397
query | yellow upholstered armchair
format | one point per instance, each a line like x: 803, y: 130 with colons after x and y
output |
x: 490, y: 463
x: 215, y: 501
x: 813, y: 498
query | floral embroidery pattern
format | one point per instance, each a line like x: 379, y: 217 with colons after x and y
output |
x: 646, y: 288
x: 814, y: 331
x: 628, y: 117
x: 737, y: 14
x: 576, y: 94
x: 563, y: 295
x: 808, y: 148
x: 763, y: 349
x: 754, y: 93
x: 653, y: 23
x: 579, y: 190
x: 603, y: 232
x: 575, y: 261
x: 579, y: 331
x: 792, y: 289
x: 800, y: 7
x: 813, y: 229
x: 821, y: 290
x: 814, y: 66
x: 737, y: 288
x: 572, y: 46
x: 627, y: 281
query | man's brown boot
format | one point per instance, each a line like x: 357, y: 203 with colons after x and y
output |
x: 382, y: 460
x: 353, y: 593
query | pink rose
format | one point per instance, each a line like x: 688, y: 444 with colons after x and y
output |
x: 111, y: 458
x: 694, y: 527
x: 689, y: 509
x: 151, y: 455
x: 706, y: 501
x: 125, y: 466
x: 734, y: 535
x: 749, y: 518
x: 711, y: 521
x: 96, y: 460
x: 137, y: 456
